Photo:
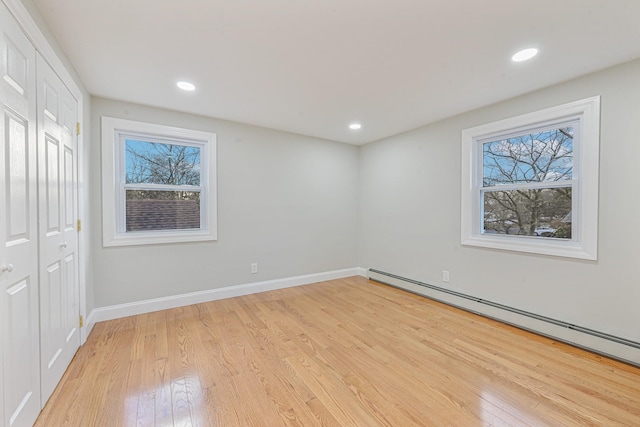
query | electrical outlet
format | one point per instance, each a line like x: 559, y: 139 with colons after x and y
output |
x: 254, y: 268
x: 445, y: 276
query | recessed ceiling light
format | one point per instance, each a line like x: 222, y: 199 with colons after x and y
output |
x: 186, y: 86
x: 355, y: 126
x: 524, y: 54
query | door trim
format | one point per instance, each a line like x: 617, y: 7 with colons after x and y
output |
x: 42, y: 45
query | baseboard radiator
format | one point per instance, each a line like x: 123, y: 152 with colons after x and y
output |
x: 599, y: 342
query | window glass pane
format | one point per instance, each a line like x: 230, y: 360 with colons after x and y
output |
x: 536, y: 212
x: 158, y: 163
x: 536, y: 157
x: 162, y: 210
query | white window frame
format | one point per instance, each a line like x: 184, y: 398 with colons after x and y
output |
x: 584, y: 183
x: 114, y: 132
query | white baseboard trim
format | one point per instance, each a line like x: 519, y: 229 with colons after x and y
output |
x: 363, y: 272
x: 89, y: 323
x: 147, y: 306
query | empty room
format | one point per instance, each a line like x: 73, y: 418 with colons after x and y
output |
x: 320, y: 213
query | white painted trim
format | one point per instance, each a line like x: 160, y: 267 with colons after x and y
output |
x: 363, y: 272
x: 89, y: 323
x: 114, y: 131
x: 42, y: 45
x: 150, y: 305
x: 585, y: 246
x: 571, y: 336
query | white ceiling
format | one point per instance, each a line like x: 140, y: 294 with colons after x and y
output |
x: 313, y: 66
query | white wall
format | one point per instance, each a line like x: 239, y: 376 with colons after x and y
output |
x: 285, y: 201
x: 410, y: 213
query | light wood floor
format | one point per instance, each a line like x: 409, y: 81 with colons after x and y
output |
x: 341, y: 353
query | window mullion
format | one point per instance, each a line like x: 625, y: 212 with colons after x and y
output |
x: 530, y: 185
x: 163, y: 187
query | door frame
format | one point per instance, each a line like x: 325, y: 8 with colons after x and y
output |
x: 42, y: 45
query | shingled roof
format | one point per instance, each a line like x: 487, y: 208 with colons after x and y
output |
x: 144, y: 215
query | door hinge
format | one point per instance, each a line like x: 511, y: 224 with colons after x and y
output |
x: 79, y: 228
x: 77, y: 128
x: 81, y: 321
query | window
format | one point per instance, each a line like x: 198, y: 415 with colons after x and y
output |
x: 530, y: 183
x: 158, y: 183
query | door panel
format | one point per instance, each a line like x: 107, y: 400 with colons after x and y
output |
x: 19, y: 306
x: 50, y: 102
x: 52, y: 183
x: 59, y: 305
x: 71, y: 309
x: 17, y: 179
x: 50, y: 305
x: 69, y: 212
x: 19, y: 339
x: 16, y: 67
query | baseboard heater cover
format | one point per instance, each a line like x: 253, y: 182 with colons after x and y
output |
x: 599, y: 342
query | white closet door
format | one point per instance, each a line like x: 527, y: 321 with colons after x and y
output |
x: 20, y: 382
x: 57, y: 154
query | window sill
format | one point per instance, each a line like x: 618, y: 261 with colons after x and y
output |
x: 534, y: 245
x: 153, y: 238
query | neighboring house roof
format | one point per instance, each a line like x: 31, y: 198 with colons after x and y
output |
x: 162, y: 215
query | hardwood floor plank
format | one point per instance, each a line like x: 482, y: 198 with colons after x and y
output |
x: 146, y: 410
x: 347, y: 352
x: 163, y: 404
